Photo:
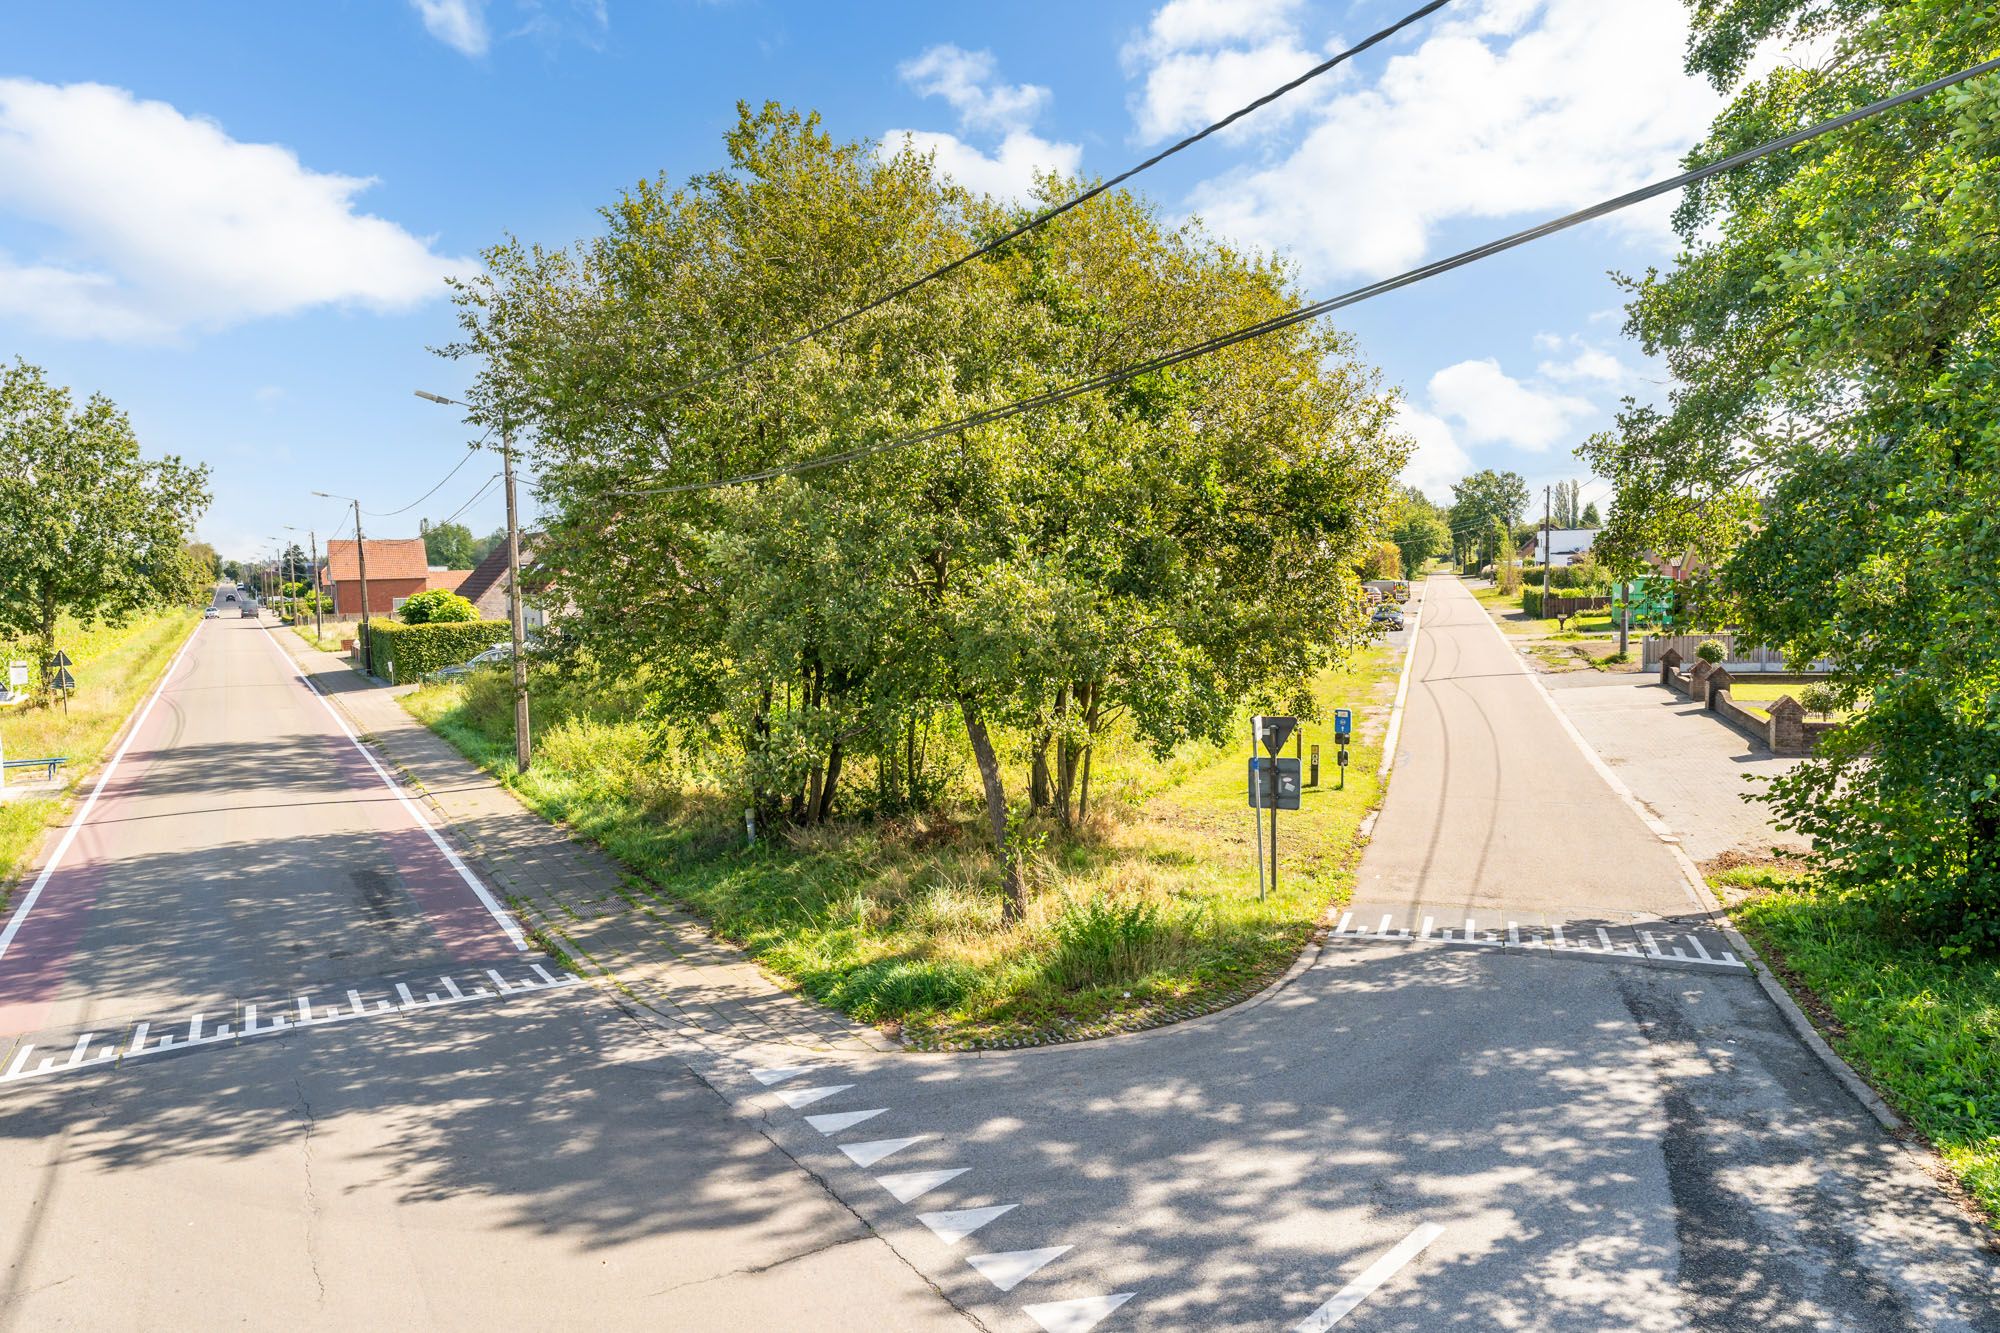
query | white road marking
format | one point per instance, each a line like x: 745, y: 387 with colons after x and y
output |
x: 782, y: 1072
x: 500, y: 915
x: 82, y: 1045
x: 1557, y: 930
x: 34, y: 893
x: 1698, y: 949
x: 1078, y: 1316
x: 833, y: 1124
x: 541, y: 972
x: 1008, y: 1271
x: 498, y: 980
x: 1345, y: 917
x: 1393, y: 733
x: 873, y: 1151
x: 798, y: 1097
x: 305, y: 1010
x: 138, y: 1042
x: 354, y: 1000
x: 1427, y: 928
x: 1372, y: 1277
x: 409, y: 1000
x: 452, y: 986
x: 908, y: 1185
x: 955, y: 1225
x: 20, y: 1060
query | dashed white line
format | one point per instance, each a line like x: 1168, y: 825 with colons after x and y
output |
x: 908, y: 1185
x: 798, y: 1097
x: 1077, y: 1316
x: 1372, y: 1277
x: 835, y: 1123
x: 873, y: 1151
x: 955, y: 1224
x: 1008, y: 1271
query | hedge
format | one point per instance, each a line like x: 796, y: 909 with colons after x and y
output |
x: 411, y: 652
x: 1531, y: 599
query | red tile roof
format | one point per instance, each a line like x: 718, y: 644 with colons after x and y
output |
x: 388, y: 558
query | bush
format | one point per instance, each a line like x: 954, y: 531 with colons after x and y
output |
x: 1818, y: 697
x: 1101, y: 942
x: 438, y: 606
x: 1531, y: 597
x: 410, y: 652
x: 1711, y: 651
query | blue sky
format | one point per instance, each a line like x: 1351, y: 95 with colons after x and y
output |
x: 235, y: 219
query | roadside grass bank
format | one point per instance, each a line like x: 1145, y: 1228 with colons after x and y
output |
x: 1759, y: 695
x: 114, y: 668
x: 1924, y: 1030
x: 1149, y: 908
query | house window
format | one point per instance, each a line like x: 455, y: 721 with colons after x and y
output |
x: 396, y: 603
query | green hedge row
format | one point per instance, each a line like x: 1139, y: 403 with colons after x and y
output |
x: 411, y: 652
x: 1531, y: 598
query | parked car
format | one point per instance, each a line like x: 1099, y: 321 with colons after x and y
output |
x: 1388, y: 616
x: 499, y: 654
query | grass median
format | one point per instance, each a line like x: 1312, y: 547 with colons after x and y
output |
x: 1923, y: 1029
x: 1150, y: 907
x: 114, y: 668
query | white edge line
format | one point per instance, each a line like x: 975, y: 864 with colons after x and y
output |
x: 27, y: 903
x: 1394, y: 733
x: 479, y: 890
x: 1372, y: 1277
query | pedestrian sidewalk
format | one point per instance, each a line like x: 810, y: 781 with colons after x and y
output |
x: 613, y: 930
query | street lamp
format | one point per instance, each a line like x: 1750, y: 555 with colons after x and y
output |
x: 513, y: 585
x: 361, y: 558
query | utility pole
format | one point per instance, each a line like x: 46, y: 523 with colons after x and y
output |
x: 319, y: 626
x: 361, y: 559
x: 1546, y: 553
x: 521, y: 747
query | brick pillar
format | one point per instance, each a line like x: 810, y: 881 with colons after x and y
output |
x: 1698, y: 680
x: 1787, y: 732
x: 1670, y: 662
x: 1718, y: 684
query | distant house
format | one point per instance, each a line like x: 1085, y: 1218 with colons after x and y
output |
x: 1680, y: 568
x: 486, y: 586
x: 1565, y: 544
x: 451, y: 580
x: 398, y: 570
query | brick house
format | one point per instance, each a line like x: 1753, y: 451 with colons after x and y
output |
x: 398, y: 570
x: 486, y: 586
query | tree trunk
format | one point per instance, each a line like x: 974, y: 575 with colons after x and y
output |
x: 996, y: 808
x: 1038, y: 775
x: 1092, y: 716
x: 824, y: 806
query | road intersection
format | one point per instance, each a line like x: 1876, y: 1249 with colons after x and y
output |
x: 1407, y: 1133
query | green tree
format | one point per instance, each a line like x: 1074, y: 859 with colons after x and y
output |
x: 1590, y: 518
x: 1482, y: 506
x: 1419, y: 529
x: 1833, y: 332
x: 450, y: 546
x: 1158, y: 553
x: 91, y: 529
x: 435, y: 606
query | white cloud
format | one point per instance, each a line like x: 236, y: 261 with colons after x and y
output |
x: 1589, y: 365
x: 1202, y: 59
x: 460, y: 24
x: 969, y: 82
x: 966, y: 80
x: 167, y: 223
x: 1437, y: 460
x: 1009, y: 173
x: 1494, y: 407
x: 1514, y: 106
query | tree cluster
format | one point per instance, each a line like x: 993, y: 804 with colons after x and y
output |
x: 1150, y: 556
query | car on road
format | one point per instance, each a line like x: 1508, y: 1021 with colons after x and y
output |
x: 229, y: 597
x: 210, y: 614
x: 249, y: 611
x: 1390, y: 617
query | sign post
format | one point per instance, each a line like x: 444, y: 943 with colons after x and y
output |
x: 1343, y: 727
x: 63, y: 681
x: 1274, y: 785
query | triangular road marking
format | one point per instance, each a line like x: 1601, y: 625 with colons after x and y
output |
x: 954, y: 1226
x: 1077, y: 1316
x: 867, y: 1154
x: 798, y: 1097
x: 907, y: 1185
x: 833, y: 1124
x: 778, y: 1075
x: 1008, y: 1271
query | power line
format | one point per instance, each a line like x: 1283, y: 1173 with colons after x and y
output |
x: 1355, y: 297
x: 470, y: 450
x: 476, y: 497
x: 1053, y: 212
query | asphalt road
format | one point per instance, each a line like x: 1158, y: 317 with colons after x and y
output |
x: 461, y: 1139
x: 1495, y: 1129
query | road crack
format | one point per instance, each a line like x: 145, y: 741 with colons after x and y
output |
x: 312, y: 1192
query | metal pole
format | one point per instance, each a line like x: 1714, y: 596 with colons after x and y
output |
x: 319, y: 624
x: 361, y: 560
x: 1625, y: 620
x: 1256, y: 824
x: 1274, y: 824
x: 521, y: 738
x: 1546, y: 553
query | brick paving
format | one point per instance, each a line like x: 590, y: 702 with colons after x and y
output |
x: 615, y: 931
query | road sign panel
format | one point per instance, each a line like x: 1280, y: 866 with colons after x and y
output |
x: 61, y: 659
x: 64, y: 681
x: 1274, y: 783
x: 17, y: 675
x: 1273, y: 732
x: 1343, y: 724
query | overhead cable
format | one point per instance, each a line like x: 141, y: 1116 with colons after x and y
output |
x: 1313, y: 311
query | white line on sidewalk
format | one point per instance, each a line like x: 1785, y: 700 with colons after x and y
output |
x: 1394, y: 732
x: 486, y: 899
x: 1374, y: 1276
x: 69, y: 834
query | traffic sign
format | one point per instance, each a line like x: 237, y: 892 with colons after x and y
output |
x: 1274, y: 784
x: 64, y: 681
x: 1273, y: 732
x: 61, y: 659
x: 17, y: 675
x: 1343, y: 724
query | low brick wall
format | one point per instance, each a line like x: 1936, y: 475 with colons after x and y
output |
x: 1783, y: 726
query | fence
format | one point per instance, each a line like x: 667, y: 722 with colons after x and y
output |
x: 1735, y: 658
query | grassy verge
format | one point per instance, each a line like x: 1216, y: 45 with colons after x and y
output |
x: 1924, y: 1030
x: 330, y: 642
x: 1758, y: 695
x: 114, y: 667
x: 1149, y: 908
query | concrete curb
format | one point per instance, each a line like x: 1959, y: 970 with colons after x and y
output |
x: 1705, y: 898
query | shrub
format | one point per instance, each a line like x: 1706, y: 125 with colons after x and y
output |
x: 438, y: 606
x: 1101, y: 941
x: 410, y: 652
x: 1711, y: 651
x: 1818, y: 697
